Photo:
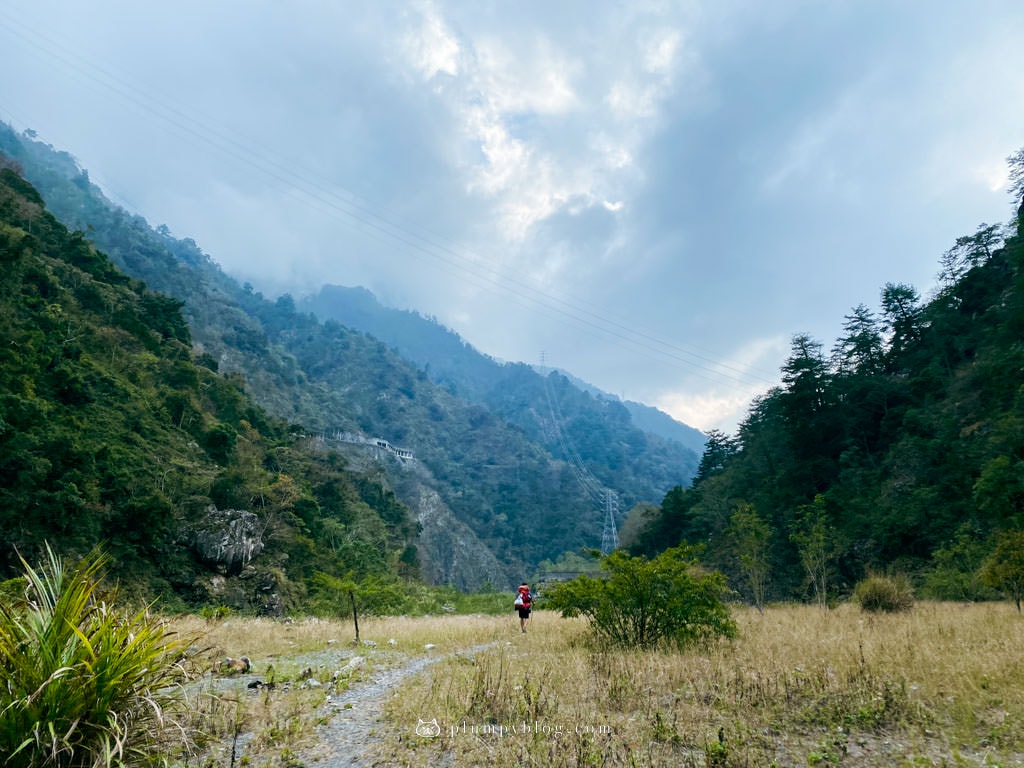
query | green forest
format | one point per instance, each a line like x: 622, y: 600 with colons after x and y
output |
x: 114, y: 434
x: 899, y: 450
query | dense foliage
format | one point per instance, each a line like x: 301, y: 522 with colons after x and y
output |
x: 512, y: 491
x: 1004, y: 568
x: 641, y: 603
x: 111, y: 432
x: 900, y: 450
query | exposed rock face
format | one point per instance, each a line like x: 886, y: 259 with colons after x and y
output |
x: 228, y: 538
x: 268, y: 595
x: 450, y: 553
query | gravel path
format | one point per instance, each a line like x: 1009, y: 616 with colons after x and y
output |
x: 353, y: 715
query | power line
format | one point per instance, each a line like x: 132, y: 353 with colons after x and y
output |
x: 605, y: 499
x: 379, y: 226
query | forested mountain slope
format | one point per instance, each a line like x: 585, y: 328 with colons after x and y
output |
x: 113, y: 434
x: 456, y: 365
x: 492, y: 499
x: 900, y: 449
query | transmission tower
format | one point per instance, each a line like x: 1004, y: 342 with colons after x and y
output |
x: 605, y: 499
x: 610, y: 535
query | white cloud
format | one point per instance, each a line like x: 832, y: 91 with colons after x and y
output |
x: 431, y: 46
x: 535, y: 78
x: 538, y: 138
x: 648, y: 77
x: 707, y: 410
x: 659, y: 51
x: 737, y: 380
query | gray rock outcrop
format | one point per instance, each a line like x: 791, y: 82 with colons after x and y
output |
x: 228, y: 538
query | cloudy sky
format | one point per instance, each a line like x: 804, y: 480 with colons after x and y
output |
x: 656, y: 196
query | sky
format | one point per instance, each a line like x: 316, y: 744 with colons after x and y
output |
x: 654, y: 196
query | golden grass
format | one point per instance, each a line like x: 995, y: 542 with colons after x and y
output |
x: 942, y: 684
x: 263, y: 639
x: 266, y: 726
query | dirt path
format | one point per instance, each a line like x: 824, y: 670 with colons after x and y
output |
x: 353, y: 716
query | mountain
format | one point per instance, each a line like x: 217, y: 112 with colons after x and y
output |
x: 657, y: 422
x: 116, y: 433
x: 497, y: 482
x: 645, y: 417
x: 454, y: 363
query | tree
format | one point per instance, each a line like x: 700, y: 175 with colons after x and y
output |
x: 901, y: 315
x: 1004, y: 568
x: 969, y: 251
x: 644, y: 603
x: 750, y: 537
x: 666, y: 527
x: 718, y: 449
x: 806, y: 397
x: 1016, y: 163
x: 816, y: 543
x: 860, y: 350
x: 956, y: 567
x: 805, y: 374
x: 999, y: 491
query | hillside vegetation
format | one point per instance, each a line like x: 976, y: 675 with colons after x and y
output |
x: 455, y: 365
x: 901, y: 449
x: 491, y: 488
x: 113, y: 434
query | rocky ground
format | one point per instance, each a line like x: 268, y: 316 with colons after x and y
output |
x: 352, y: 717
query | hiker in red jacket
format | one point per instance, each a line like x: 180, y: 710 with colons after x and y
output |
x: 524, y: 602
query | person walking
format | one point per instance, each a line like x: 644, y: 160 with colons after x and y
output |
x: 524, y: 604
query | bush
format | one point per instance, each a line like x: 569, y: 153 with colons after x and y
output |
x: 884, y: 593
x: 643, y: 603
x: 955, y: 573
x: 82, y: 685
x: 1004, y: 568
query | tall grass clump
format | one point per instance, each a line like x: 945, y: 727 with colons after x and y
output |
x: 83, y: 685
x: 889, y: 594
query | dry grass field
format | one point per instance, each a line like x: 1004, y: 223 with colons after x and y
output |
x: 940, y: 685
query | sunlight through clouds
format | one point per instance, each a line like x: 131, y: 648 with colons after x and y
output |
x: 701, y: 173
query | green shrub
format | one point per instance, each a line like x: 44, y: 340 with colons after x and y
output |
x: 643, y: 603
x: 1004, y: 568
x: 884, y: 593
x: 955, y: 572
x: 83, y: 686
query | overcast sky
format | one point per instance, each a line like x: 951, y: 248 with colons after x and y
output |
x: 655, y: 196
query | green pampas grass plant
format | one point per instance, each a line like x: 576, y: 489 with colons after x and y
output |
x: 83, y: 685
